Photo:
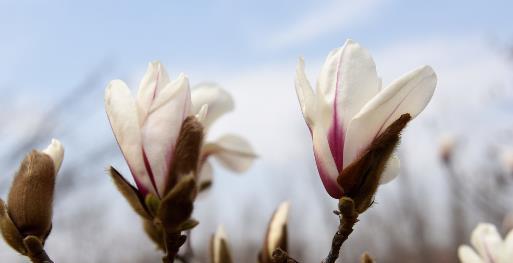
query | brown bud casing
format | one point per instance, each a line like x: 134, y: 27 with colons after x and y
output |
x: 30, y: 199
x: 361, y: 178
x: 187, y: 151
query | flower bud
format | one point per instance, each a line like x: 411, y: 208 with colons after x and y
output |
x: 276, y: 236
x: 31, y: 195
x: 446, y: 148
x: 219, y: 250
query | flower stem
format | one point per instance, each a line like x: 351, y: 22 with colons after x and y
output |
x: 35, y: 250
x: 348, y: 218
x: 172, y: 243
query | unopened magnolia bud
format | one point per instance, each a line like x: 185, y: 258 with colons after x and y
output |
x: 30, y: 198
x: 446, y: 147
x: 276, y: 236
x: 506, y: 159
x: 219, y: 249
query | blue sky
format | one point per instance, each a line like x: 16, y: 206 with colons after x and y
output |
x: 55, y: 42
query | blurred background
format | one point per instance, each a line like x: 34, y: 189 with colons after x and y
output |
x: 56, y: 58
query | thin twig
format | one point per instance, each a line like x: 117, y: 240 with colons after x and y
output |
x: 281, y: 256
x: 348, y: 218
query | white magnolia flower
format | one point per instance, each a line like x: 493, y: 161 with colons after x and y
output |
x: 232, y: 151
x: 488, y: 245
x: 350, y: 108
x: 147, y: 126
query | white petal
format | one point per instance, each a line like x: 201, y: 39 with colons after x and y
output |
x: 56, y: 152
x: 487, y: 241
x: 122, y: 112
x: 467, y: 255
x: 507, y: 249
x: 391, y: 171
x: 202, y: 114
x: 162, y: 127
x: 305, y: 94
x: 154, y: 80
x: 219, y: 101
x: 276, y: 227
x: 409, y: 94
x: 348, y: 80
x: 234, y: 153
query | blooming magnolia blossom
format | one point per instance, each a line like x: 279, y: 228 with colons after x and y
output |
x: 232, y: 151
x: 350, y: 109
x: 147, y: 127
x: 489, y: 246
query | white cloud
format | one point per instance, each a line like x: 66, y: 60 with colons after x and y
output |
x: 336, y: 15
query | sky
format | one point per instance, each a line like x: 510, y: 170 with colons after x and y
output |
x: 47, y: 48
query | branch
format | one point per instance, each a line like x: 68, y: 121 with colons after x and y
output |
x: 348, y: 218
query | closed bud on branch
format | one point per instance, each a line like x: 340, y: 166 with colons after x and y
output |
x: 219, y: 249
x: 31, y: 195
x: 276, y: 235
x: 28, y: 212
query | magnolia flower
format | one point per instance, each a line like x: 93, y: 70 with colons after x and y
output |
x: 350, y: 109
x: 147, y: 126
x: 232, y: 151
x: 489, y: 246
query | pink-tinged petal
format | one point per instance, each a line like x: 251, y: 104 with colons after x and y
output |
x: 468, y: 255
x: 487, y: 241
x: 305, y: 94
x: 348, y: 81
x: 56, y: 151
x: 234, y: 153
x: 409, y: 94
x: 162, y: 126
x: 219, y: 101
x: 121, y: 110
x: 154, y: 80
x: 391, y: 171
x: 325, y: 164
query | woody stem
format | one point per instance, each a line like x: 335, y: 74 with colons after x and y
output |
x: 348, y: 218
x: 172, y: 243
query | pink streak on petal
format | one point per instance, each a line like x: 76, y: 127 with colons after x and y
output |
x: 336, y: 132
x: 331, y: 186
x: 150, y: 172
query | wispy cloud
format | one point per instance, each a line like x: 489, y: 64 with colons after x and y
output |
x: 335, y: 15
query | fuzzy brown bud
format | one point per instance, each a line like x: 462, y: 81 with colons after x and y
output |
x: 30, y: 198
x: 361, y: 178
x: 187, y: 151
